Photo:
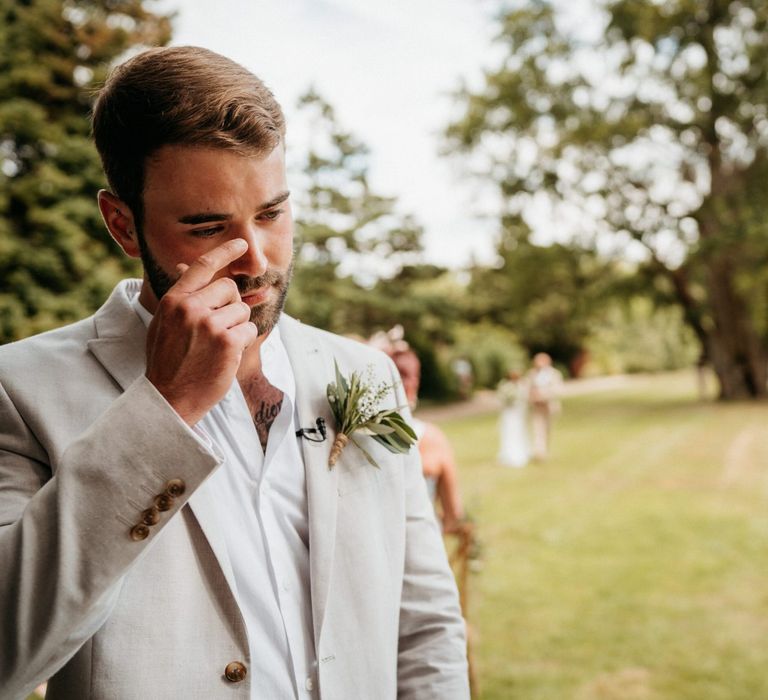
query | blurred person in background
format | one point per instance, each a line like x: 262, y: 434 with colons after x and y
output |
x: 514, y: 445
x: 544, y: 385
x: 437, y: 458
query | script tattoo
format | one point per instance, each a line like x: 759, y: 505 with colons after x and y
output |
x: 263, y: 419
x: 264, y: 402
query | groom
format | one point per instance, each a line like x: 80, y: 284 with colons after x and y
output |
x: 166, y: 527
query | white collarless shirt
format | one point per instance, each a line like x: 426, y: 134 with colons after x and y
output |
x: 261, y: 505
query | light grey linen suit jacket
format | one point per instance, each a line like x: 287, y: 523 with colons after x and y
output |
x: 86, y: 443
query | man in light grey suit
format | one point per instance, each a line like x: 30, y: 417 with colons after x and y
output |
x: 166, y: 529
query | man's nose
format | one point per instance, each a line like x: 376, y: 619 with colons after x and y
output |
x: 253, y: 262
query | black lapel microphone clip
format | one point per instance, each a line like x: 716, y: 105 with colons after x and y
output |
x: 311, y: 434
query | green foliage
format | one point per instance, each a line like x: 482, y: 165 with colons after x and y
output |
x: 634, y: 336
x: 57, y: 262
x: 438, y: 382
x: 646, y: 125
x: 431, y: 305
x: 344, y: 225
x: 491, y: 350
x: 358, y: 266
x: 547, y: 295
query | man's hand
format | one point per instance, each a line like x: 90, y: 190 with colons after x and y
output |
x: 198, y: 334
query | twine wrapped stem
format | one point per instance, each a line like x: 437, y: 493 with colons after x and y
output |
x: 339, y: 443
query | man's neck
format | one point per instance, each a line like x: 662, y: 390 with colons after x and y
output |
x: 250, y: 363
x: 147, y: 297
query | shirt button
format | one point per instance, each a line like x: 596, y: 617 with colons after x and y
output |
x: 139, y: 532
x: 309, y: 684
x: 235, y: 672
x: 175, y: 487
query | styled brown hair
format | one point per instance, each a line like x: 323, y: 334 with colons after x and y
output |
x: 183, y: 95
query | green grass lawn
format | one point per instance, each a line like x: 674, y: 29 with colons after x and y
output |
x: 633, y: 565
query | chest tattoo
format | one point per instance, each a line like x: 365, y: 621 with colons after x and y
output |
x: 263, y: 419
x: 267, y: 413
x: 264, y: 402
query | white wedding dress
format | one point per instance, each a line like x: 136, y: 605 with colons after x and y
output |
x: 514, y: 448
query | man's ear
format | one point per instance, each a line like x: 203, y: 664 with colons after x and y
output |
x: 119, y: 220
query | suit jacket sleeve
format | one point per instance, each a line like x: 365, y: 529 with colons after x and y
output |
x: 432, y: 649
x: 65, y: 528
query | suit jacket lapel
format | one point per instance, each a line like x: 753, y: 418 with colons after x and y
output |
x: 311, y: 365
x: 120, y: 347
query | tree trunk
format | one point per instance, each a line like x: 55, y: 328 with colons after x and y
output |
x: 729, y: 342
x: 733, y: 346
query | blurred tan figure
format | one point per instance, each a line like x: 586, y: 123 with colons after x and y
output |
x: 437, y: 458
x: 545, y: 383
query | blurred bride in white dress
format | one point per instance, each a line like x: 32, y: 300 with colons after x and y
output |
x: 515, y: 449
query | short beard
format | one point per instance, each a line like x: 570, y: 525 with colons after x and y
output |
x: 265, y: 316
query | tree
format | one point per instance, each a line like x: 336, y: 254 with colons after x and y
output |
x: 648, y: 133
x: 348, y: 236
x: 636, y: 335
x: 359, y: 267
x: 549, y: 296
x: 57, y: 262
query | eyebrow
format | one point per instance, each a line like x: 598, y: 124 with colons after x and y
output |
x: 208, y: 217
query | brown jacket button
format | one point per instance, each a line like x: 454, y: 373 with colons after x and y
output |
x: 139, y: 532
x: 151, y: 516
x: 175, y: 487
x: 163, y: 501
x: 235, y: 672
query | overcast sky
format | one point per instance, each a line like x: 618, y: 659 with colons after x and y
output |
x: 387, y: 68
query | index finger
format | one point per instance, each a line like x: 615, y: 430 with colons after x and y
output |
x: 200, y: 273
